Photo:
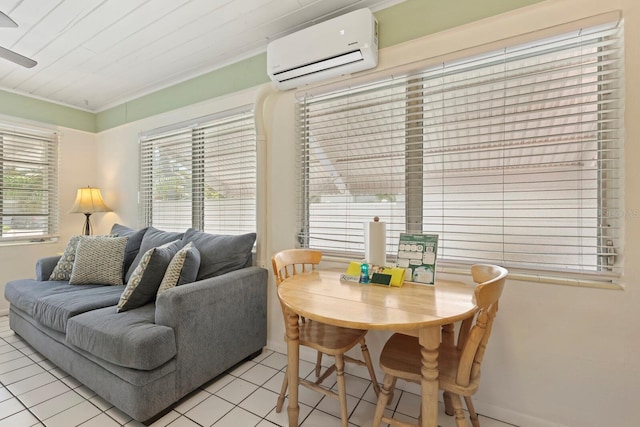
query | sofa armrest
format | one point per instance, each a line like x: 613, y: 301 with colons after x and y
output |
x: 45, y: 266
x: 217, y: 322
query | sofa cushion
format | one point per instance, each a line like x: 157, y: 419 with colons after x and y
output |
x: 133, y: 244
x: 55, y: 310
x: 130, y: 339
x: 182, y: 269
x: 145, y: 280
x: 62, y: 270
x: 99, y: 261
x: 152, y: 239
x: 24, y: 293
x: 220, y: 254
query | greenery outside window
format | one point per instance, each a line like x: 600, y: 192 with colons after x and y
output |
x: 201, y: 174
x: 28, y: 184
x: 512, y: 157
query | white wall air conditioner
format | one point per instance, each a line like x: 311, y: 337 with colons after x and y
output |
x: 339, y: 46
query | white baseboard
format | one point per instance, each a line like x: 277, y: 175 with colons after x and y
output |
x: 512, y: 417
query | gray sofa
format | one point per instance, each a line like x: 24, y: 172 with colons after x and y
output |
x: 145, y: 359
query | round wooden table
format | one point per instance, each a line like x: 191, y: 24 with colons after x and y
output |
x: 415, y: 309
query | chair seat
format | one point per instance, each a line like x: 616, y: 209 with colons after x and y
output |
x: 400, y: 357
x: 329, y: 339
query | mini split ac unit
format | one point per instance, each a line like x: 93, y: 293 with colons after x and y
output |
x: 339, y: 46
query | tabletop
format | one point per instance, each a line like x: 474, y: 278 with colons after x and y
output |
x: 322, y: 296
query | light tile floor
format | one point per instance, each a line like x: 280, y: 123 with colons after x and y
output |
x: 33, y: 392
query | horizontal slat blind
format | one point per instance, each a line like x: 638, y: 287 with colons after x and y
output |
x: 29, y: 177
x: 230, y: 178
x: 512, y: 157
x: 201, y: 174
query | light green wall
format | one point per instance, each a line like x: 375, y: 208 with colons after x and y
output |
x: 417, y: 18
x: 46, y: 112
x: 240, y: 75
x: 397, y: 24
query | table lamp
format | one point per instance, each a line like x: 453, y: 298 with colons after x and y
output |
x: 88, y: 201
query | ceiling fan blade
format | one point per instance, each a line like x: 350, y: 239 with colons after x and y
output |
x: 7, y: 22
x: 17, y: 58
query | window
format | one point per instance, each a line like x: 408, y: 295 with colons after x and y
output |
x: 512, y: 157
x: 29, y: 179
x: 201, y: 174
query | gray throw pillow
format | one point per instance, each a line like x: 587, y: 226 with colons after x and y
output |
x: 182, y: 269
x: 152, y: 239
x: 220, y: 254
x: 133, y: 244
x: 143, y: 285
x: 98, y: 261
x: 62, y: 270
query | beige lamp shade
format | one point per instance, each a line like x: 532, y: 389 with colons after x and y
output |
x: 89, y: 200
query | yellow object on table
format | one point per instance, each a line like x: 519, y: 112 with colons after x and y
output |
x: 396, y: 273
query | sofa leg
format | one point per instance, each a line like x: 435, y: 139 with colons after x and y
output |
x: 254, y: 355
x: 159, y: 415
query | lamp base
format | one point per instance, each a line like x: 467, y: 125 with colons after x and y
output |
x: 87, y: 230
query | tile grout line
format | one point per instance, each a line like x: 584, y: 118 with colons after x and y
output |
x: 56, y: 378
x: 257, y: 381
x: 16, y: 397
x: 257, y: 386
x: 315, y: 407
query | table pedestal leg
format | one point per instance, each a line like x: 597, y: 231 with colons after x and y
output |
x: 429, y: 342
x: 293, y: 354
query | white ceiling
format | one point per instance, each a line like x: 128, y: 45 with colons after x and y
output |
x: 95, y: 54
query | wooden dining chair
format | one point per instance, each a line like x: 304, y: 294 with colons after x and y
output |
x: 458, y: 362
x: 325, y: 339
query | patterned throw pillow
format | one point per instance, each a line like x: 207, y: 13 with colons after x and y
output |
x: 98, y: 261
x: 63, y: 268
x: 145, y: 279
x: 182, y: 269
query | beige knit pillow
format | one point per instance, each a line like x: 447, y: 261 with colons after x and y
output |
x: 99, y: 261
x: 62, y: 270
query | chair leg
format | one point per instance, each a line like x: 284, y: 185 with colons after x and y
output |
x: 448, y: 406
x: 342, y: 390
x: 318, y: 364
x: 448, y: 335
x: 283, y: 391
x: 461, y: 420
x: 388, y: 385
x: 369, y: 363
x: 472, y: 412
x: 326, y: 374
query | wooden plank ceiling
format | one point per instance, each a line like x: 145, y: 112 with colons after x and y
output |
x: 95, y: 54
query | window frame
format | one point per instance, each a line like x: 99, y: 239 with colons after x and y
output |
x: 36, y: 153
x: 201, y: 140
x: 599, y: 279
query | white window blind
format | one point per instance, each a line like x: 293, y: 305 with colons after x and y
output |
x: 201, y: 174
x: 512, y: 157
x: 29, y: 179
